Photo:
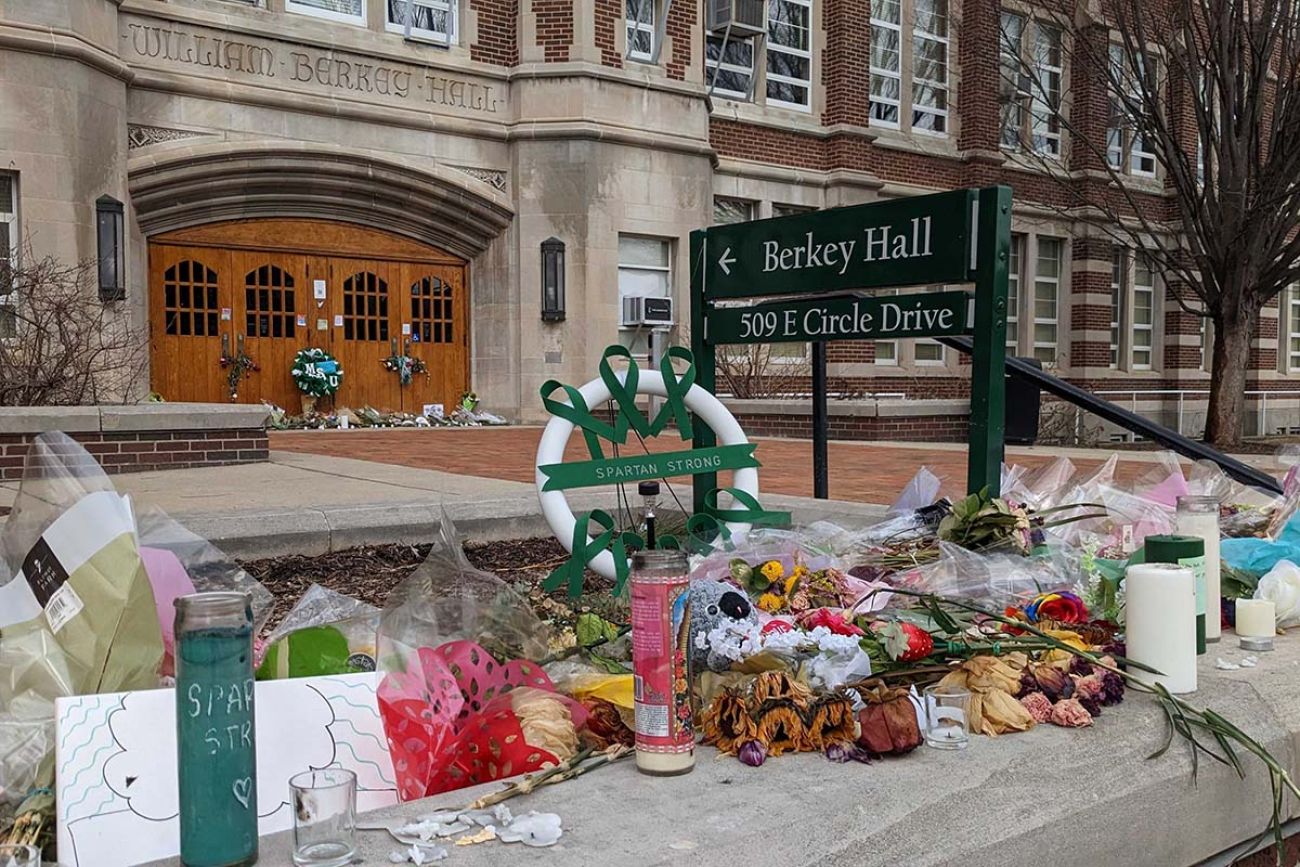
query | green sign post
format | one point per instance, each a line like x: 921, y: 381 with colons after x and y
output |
x: 962, y: 236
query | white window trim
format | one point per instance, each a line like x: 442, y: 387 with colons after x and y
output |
x: 1055, y: 320
x: 770, y: 45
x: 1292, y: 305
x: 1117, y: 306
x: 430, y: 36
x: 750, y: 205
x: 917, y: 33
x: 1026, y: 55
x: 1015, y: 275
x: 874, y: 70
x: 1148, y: 328
x: 711, y: 65
x: 1042, y: 70
x: 1128, y: 155
x: 647, y: 27
x: 9, y: 301
x: 941, y: 361
x: 297, y: 6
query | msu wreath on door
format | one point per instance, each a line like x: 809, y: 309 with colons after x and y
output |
x: 273, y: 287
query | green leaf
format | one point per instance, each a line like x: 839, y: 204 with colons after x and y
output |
x: 592, y: 629
x: 606, y: 664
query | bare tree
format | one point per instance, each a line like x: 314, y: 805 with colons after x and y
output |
x: 752, y: 371
x: 59, y: 344
x: 1183, y: 123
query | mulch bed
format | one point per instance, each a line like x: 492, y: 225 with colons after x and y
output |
x: 370, y: 573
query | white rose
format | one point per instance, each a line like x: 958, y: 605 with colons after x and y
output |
x: 1281, y: 584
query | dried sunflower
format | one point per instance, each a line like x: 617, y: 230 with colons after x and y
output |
x: 778, y: 685
x: 726, y: 723
x: 780, y: 728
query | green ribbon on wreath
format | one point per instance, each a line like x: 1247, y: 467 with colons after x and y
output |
x: 624, y: 392
x: 571, y: 571
x: 577, y: 412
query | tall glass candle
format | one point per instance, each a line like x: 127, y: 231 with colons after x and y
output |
x: 1160, y: 623
x: 216, y: 750
x: 1199, y: 516
x: 661, y: 658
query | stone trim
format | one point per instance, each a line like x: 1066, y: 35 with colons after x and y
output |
x: 494, y: 178
x: 188, y: 186
x: 62, y: 43
x: 140, y: 135
x: 211, y: 417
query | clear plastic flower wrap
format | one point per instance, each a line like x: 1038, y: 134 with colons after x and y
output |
x: 78, y: 616
x: 1039, y: 488
x: 464, y: 698
x: 325, y: 633
x: 993, y: 579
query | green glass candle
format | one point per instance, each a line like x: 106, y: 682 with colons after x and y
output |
x: 215, y: 735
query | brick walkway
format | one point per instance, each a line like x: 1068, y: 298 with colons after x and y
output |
x: 859, y: 472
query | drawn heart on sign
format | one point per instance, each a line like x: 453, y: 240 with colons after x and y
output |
x: 243, y: 789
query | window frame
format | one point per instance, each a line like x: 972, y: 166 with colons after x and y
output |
x: 1293, y: 329
x: 1024, y: 101
x: 1141, y: 260
x: 945, y: 86
x: 1015, y: 290
x: 1124, y: 149
x: 303, y: 7
x: 419, y: 34
x: 874, y: 71
x: 726, y: 66
x: 9, y: 216
x: 630, y: 24
x: 770, y: 45
x: 1118, y: 269
x: 751, y: 205
x: 1055, y: 320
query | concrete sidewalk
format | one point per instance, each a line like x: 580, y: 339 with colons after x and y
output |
x: 313, y: 504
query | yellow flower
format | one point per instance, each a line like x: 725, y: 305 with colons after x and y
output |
x: 772, y: 571
x: 770, y: 602
x: 790, y: 583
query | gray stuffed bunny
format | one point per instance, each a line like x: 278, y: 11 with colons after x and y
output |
x: 712, y: 604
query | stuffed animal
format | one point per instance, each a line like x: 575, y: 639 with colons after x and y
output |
x: 714, y: 603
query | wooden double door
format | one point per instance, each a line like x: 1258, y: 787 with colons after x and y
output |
x: 273, y: 287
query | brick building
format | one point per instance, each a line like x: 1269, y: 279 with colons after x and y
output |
x: 334, y: 173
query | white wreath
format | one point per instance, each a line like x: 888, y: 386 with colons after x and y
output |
x: 707, y: 408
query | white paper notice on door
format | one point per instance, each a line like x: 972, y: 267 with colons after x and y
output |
x: 318, y: 289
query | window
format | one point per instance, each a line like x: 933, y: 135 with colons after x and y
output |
x: 887, y: 350
x: 432, y: 314
x: 268, y: 302
x: 1015, y: 264
x: 780, y: 210
x: 1047, y: 294
x: 644, y: 268
x: 351, y: 11
x: 1293, y: 328
x: 1126, y: 149
x: 928, y: 352
x: 927, y: 89
x: 727, y: 210
x: 1116, y: 296
x: 8, y: 252
x: 190, y: 305
x: 731, y: 71
x: 640, y: 29
x: 431, y: 20
x: 1144, y: 297
x: 1031, y: 70
x: 886, y: 62
x: 930, y: 67
x: 789, y: 53
x: 365, y: 307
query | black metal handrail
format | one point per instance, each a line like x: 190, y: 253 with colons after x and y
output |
x: 1131, y: 421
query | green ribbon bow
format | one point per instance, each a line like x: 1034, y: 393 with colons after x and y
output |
x: 571, y: 571
x: 577, y: 412
x: 749, y: 513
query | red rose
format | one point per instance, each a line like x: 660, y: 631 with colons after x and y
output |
x: 830, y: 618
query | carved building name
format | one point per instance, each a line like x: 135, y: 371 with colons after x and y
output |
x: 304, y: 68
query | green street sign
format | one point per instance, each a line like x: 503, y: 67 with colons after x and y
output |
x: 903, y: 242
x: 639, y: 468
x: 934, y: 314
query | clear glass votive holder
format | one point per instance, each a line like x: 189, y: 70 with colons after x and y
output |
x: 324, y: 817
x: 19, y: 855
x: 947, y: 717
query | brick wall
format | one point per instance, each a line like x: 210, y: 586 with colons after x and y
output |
x: 608, y: 18
x: 683, y: 35
x: 497, y: 41
x: 148, y: 450
x: 936, y: 428
x: 553, y: 20
x: 848, y: 83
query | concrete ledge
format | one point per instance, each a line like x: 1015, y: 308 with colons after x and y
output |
x: 38, y: 419
x: 182, y: 416
x: 852, y: 408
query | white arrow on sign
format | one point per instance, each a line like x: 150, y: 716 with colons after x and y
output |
x: 726, y: 261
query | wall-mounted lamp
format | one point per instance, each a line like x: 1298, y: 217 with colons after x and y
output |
x: 552, y: 280
x: 112, y: 248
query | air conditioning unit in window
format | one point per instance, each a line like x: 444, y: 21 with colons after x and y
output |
x: 647, y: 310
x: 742, y: 17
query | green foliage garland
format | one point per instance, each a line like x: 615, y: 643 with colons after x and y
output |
x: 316, y: 372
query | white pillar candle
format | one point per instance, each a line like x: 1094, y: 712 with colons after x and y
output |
x: 1256, y: 618
x: 1160, y: 623
x: 1199, y: 516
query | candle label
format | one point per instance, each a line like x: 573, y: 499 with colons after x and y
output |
x: 1197, y: 565
x: 661, y: 622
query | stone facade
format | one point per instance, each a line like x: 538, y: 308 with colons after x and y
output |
x: 538, y: 120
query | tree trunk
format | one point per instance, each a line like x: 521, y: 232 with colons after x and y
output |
x: 1233, y: 331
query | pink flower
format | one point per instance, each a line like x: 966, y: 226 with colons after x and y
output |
x: 1038, y: 706
x: 1069, y: 713
x: 831, y: 618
